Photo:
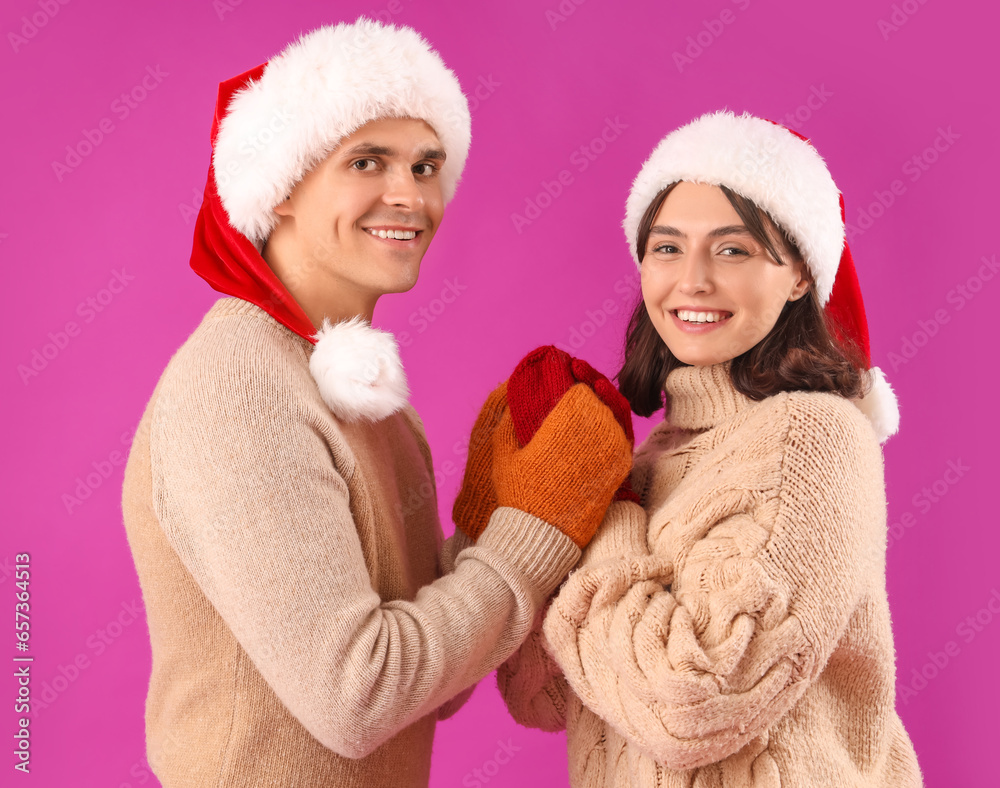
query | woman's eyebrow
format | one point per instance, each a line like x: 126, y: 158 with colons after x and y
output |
x: 732, y: 229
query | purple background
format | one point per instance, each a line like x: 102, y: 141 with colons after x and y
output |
x: 550, y: 77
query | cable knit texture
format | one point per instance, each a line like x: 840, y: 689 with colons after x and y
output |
x: 746, y: 640
x: 301, y: 631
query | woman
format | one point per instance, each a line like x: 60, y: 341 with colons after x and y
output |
x: 734, y: 629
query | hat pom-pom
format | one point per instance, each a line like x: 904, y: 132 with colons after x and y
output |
x: 358, y: 370
x: 880, y: 406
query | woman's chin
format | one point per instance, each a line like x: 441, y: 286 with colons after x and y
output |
x: 699, y: 357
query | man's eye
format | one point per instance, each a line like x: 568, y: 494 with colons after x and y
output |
x: 364, y: 164
x: 426, y: 168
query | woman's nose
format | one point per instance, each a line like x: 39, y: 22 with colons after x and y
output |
x: 695, y: 275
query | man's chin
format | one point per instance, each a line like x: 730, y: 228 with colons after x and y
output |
x: 400, y: 288
x: 401, y: 281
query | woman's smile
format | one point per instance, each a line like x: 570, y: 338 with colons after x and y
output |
x: 699, y: 320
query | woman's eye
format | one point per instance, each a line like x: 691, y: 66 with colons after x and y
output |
x: 734, y: 251
x: 666, y: 249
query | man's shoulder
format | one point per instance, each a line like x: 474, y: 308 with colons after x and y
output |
x: 235, y: 325
x: 237, y: 348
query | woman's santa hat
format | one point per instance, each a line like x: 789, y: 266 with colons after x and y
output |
x: 276, y: 122
x: 783, y: 174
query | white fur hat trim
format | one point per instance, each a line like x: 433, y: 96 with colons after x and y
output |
x: 782, y: 174
x: 319, y: 90
x: 358, y: 370
x: 880, y: 406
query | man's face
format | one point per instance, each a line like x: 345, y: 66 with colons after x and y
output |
x: 362, y: 219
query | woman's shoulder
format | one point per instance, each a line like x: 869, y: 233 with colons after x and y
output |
x: 828, y: 415
x: 809, y: 411
x: 822, y: 431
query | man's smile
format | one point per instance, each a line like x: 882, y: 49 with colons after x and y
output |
x: 396, y: 233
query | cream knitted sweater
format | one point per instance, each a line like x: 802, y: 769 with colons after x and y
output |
x: 734, y: 631
x: 290, y: 568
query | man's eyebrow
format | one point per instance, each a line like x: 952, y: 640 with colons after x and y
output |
x: 731, y: 229
x: 371, y: 149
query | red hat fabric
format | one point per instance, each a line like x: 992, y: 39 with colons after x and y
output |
x: 225, y: 258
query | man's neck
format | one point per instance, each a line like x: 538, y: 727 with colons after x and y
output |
x: 318, y: 292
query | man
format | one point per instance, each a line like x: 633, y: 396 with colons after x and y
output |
x: 306, y: 627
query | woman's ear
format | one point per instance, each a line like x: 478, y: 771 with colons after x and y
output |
x: 802, y: 282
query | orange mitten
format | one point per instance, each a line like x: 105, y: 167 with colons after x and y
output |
x: 477, y: 499
x: 539, y: 381
x: 569, y: 471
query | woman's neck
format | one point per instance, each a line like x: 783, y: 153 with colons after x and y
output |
x: 699, y: 398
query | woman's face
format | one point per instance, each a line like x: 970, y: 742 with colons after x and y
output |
x: 711, y: 290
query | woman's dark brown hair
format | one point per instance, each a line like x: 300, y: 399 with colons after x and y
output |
x: 800, y: 353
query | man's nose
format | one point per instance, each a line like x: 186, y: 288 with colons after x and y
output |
x: 402, y: 190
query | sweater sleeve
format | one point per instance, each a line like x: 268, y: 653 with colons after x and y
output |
x: 693, y: 666
x: 531, y: 682
x: 450, y: 551
x: 248, y: 493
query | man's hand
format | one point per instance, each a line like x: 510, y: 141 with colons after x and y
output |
x: 477, y: 498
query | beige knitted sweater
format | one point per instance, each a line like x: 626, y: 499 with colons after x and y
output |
x: 734, y: 631
x: 290, y: 569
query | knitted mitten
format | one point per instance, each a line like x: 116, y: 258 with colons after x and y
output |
x: 539, y: 382
x: 567, y: 474
x: 477, y: 498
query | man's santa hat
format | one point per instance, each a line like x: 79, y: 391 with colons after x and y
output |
x: 276, y: 122
x: 782, y: 173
